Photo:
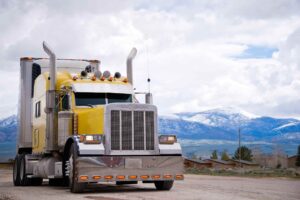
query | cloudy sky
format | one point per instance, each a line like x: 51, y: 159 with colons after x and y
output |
x: 199, y: 54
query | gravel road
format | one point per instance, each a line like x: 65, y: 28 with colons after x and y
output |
x: 193, y: 187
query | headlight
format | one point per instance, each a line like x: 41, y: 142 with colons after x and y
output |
x: 167, y: 139
x: 90, y: 139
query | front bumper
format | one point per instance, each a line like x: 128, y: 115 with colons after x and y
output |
x: 129, y: 168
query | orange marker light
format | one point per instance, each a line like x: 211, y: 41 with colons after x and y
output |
x: 84, y: 178
x: 96, y: 177
x: 108, y: 177
x: 121, y: 177
x: 125, y: 80
x: 168, y: 176
x: 156, y: 177
x: 179, y: 177
x: 93, y: 78
x: 110, y: 79
x: 132, y: 177
x: 144, y: 177
x: 102, y: 78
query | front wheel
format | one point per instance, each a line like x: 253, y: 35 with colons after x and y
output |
x: 163, y: 185
x: 75, y: 186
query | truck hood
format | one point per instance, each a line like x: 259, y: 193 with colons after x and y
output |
x: 90, y: 120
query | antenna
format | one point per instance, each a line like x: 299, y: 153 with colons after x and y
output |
x: 147, y: 65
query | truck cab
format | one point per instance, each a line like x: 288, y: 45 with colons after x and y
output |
x: 79, y: 125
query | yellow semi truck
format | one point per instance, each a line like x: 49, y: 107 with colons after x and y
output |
x: 79, y: 126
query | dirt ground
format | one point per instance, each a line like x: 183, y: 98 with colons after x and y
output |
x: 193, y: 187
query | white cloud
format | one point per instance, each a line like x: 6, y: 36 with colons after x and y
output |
x: 190, y: 48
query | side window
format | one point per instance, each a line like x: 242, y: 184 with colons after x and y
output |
x: 65, y: 102
x: 38, y: 109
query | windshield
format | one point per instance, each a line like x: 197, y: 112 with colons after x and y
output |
x: 88, y: 99
x: 119, y: 98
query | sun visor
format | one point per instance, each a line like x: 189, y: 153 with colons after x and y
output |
x: 102, y: 88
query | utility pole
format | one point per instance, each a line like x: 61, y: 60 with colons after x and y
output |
x: 240, y: 151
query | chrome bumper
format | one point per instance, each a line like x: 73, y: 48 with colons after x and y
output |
x: 129, y: 168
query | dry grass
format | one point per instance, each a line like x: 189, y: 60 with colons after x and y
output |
x: 290, y: 173
x: 6, y: 166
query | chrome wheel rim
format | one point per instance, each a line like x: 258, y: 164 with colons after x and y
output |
x: 71, y: 169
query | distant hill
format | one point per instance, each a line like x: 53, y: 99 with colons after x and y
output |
x: 8, y: 129
x: 223, y: 124
x: 8, y: 135
x: 201, y: 132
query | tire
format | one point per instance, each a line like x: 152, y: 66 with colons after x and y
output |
x: 75, y: 187
x: 19, y: 173
x: 16, y: 171
x: 163, y: 185
x: 23, y: 176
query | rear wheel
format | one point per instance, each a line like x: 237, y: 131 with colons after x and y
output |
x: 75, y: 186
x: 23, y: 176
x: 163, y: 185
x: 16, y: 171
x: 24, y: 180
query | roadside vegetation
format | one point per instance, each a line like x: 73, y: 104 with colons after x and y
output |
x: 6, y: 166
x: 290, y: 173
x: 276, y: 164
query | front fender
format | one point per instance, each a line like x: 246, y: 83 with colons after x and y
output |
x: 170, y: 149
x: 88, y: 149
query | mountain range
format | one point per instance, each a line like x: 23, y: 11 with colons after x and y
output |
x: 224, y: 124
x: 8, y: 129
x: 201, y: 132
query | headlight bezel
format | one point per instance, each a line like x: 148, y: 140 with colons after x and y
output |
x: 91, y: 139
x: 167, y: 139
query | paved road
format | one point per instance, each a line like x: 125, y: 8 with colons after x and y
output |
x: 193, y: 187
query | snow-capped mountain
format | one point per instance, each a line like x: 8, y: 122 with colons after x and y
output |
x: 9, y: 121
x: 219, y: 117
x: 201, y: 132
x: 223, y: 124
x: 8, y: 129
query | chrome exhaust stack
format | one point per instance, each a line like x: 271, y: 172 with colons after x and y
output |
x: 51, y: 127
x: 130, y: 57
x: 52, y: 65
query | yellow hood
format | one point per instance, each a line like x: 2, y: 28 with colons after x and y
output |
x: 90, y: 120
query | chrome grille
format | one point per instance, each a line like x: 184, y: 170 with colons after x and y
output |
x: 138, y: 130
x: 115, y: 130
x: 149, y: 130
x: 126, y: 130
x: 132, y: 130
